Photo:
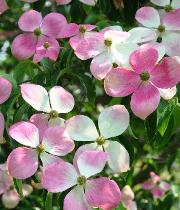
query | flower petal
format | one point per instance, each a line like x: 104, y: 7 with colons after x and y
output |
x: 10, y: 199
x: 161, y: 3
x: 169, y: 93
x: 75, y: 199
x: 3, y: 6
x: 5, y: 90
x: 5, y: 180
x: 52, y: 24
x: 91, y: 162
x: 25, y: 133
x: 118, y: 157
x: 48, y: 159
x: 36, y: 96
x: 121, y: 82
x: 89, y: 2
x: 145, y: 100
x: 148, y: 16
x: 103, y: 193
x: 63, y: 2
x: 113, y: 121
x: 1, y: 128
x: 167, y: 73
x: 175, y: 4
x: 22, y: 162
x: 101, y: 65
x: 30, y: 21
x: 24, y: 46
x: 61, y: 100
x: 81, y: 128
x: 171, y: 20
x: 57, y: 141
x: 144, y: 59
x: 70, y: 29
x: 59, y: 176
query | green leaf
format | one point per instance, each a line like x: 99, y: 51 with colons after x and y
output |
x: 18, y: 186
x: 151, y: 126
x: 48, y: 201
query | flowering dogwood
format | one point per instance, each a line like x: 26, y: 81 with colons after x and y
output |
x: 23, y: 161
x: 127, y: 198
x: 3, y: 6
x: 112, y: 122
x: 98, y: 192
x: 144, y: 80
x: 167, y: 4
x: 166, y: 27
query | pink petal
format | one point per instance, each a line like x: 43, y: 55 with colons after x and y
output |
x: 5, y: 181
x: 145, y: 100
x: 57, y: 141
x: 36, y: 96
x: 61, y: 100
x: 147, y: 185
x: 89, y: 2
x: 25, y: 133
x: 3, y: 6
x: 171, y: 41
x: 81, y: 128
x: 171, y: 20
x: 167, y: 73
x: 58, y: 177
x: 101, y: 65
x: 48, y: 159
x: 22, y: 162
x: 52, y: 24
x: 118, y: 157
x: 75, y: 199
x: 113, y: 121
x: 169, y: 93
x: 1, y: 127
x: 131, y: 205
x: 154, y: 177
x: 144, y: 59
x: 68, y: 30
x: 24, y: 46
x: 157, y: 192
x: 121, y: 82
x: 91, y: 162
x: 10, y: 199
x: 116, y: 36
x: 62, y: 2
x: 5, y: 90
x: 30, y: 21
x: 165, y: 186
x: 161, y: 3
x: 148, y: 16
x: 102, y: 193
x: 41, y: 122
x: 111, y: 28
x: 127, y: 194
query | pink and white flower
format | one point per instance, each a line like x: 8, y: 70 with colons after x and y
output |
x: 22, y: 162
x: 144, y: 80
x: 38, y: 33
x: 99, y: 193
x: 127, y: 198
x: 3, y: 6
x: 112, y: 122
x: 56, y: 101
x: 166, y: 27
x: 167, y: 4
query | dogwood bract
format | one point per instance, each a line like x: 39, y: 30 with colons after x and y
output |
x: 22, y: 162
x: 98, y: 192
x: 144, y: 80
x: 112, y: 122
x: 167, y: 4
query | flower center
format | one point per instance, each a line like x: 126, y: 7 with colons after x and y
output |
x: 82, y: 29
x: 40, y: 149
x: 37, y: 32
x: 108, y: 42
x: 53, y: 114
x: 168, y: 8
x: 81, y: 180
x: 161, y: 28
x: 100, y: 140
x: 144, y: 76
x: 115, y: 65
x: 46, y: 45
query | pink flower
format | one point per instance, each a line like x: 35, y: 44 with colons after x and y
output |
x: 5, y: 179
x: 56, y: 101
x: 39, y: 37
x: 144, y: 80
x: 112, y: 122
x: 23, y: 161
x: 100, y: 192
x: 3, y: 6
x: 127, y: 198
x: 166, y: 27
x: 167, y: 4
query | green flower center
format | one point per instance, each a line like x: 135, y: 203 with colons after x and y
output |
x: 37, y: 32
x: 144, y: 76
x: 81, y: 180
x: 53, y: 114
x: 115, y: 65
x: 100, y: 140
x: 82, y: 29
x: 168, y: 8
x: 161, y: 28
x: 46, y: 45
x: 40, y: 149
x: 108, y: 42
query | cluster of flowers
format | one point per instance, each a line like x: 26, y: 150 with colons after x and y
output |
x: 130, y: 62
